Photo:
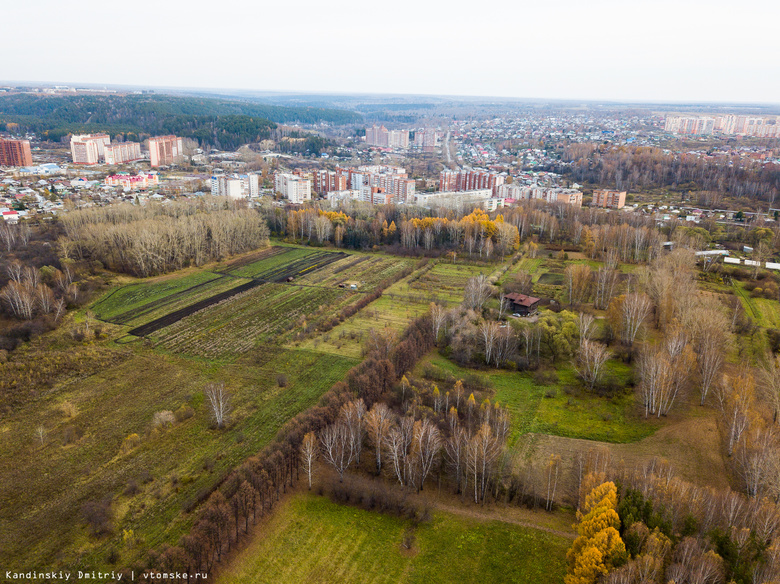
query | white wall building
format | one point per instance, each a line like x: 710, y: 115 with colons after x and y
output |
x: 292, y: 187
x: 88, y: 148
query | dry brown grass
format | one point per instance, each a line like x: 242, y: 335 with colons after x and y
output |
x: 690, y: 444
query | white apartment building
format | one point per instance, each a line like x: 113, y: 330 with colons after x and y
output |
x: 122, y: 152
x: 458, y: 200
x: 88, y: 148
x: 294, y: 188
x: 235, y: 186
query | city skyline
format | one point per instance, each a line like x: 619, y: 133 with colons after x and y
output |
x: 604, y: 50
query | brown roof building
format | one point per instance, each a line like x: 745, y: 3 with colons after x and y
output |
x: 522, y: 304
x: 15, y: 153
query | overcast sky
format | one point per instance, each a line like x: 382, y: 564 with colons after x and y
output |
x: 680, y: 50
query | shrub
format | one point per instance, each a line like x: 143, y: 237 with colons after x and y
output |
x: 185, y: 412
x: 71, y: 434
x: 281, y: 380
x: 68, y: 409
x: 545, y: 377
x: 130, y: 442
x: 131, y: 488
x: 163, y: 419
x: 97, y: 514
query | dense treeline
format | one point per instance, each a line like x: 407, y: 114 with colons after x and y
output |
x: 644, y: 525
x: 220, y: 123
x: 151, y: 240
x: 637, y: 168
x: 37, y: 286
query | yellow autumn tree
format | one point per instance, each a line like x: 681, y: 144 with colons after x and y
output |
x: 598, y: 547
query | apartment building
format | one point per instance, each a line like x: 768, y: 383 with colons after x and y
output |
x: 470, y: 180
x: 294, y: 188
x: 165, y: 150
x: 88, y: 148
x: 609, y: 199
x: 381, y: 136
x: 730, y: 125
x: 235, y: 186
x: 462, y: 201
x: 121, y: 152
x: 15, y: 152
x: 140, y: 181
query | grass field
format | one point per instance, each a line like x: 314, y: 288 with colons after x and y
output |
x: 169, y: 467
x: 554, y: 409
x: 763, y: 311
x: 311, y: 539
x: 397, y: 307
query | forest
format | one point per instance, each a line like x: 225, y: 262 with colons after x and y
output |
x: 219, y: 123
x: 644, y: 168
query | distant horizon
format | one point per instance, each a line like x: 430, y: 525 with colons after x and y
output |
x: 665, y: 51
x: 241, y: 92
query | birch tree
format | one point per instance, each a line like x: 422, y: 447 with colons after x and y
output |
x: 309, y: 454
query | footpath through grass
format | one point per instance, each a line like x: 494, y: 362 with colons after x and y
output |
x: 557, y: 408
x: 311, y: 539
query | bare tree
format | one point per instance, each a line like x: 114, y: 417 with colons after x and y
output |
x: 482, y: 452
x: 477, y: 292
x: 398, y: 441
x: 40, y: 433
x: 309, y: 454
x: 353, y: 415
x: 488, y: 331
x: 438, y: 318
x: 636, y: 308
x: 378, y: 421
x: 590, y: 362
x: 577, y: 281
x: 736, y: 402
x: 219, y: 402
x: 426, y: 444
x: 553, y: 470
x: 585, y: 324
x: 770, y: 378
x: 337, y: 447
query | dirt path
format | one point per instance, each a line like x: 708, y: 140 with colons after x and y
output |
x: 498, y: 514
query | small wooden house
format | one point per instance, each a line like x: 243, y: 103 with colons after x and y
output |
x: 522, y: 304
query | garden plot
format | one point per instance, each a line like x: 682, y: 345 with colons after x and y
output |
x: 443, y: 282
x: 157, y: 308
x: 294, y: 262
x: 365, y: 271
x: 238, y: 323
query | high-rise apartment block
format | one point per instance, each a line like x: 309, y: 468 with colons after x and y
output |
x: 235, y: 186
x: 88, y: 148
x: 470, y: 180
x: 15, y: 153
x: 122, y: 152
x: 381, y: 136
x: 609, y: 199
x: 730, y: 125
x: 165, y: 150
x: 293, y: 188
x: 326, y: 181
x: 425, y: 139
